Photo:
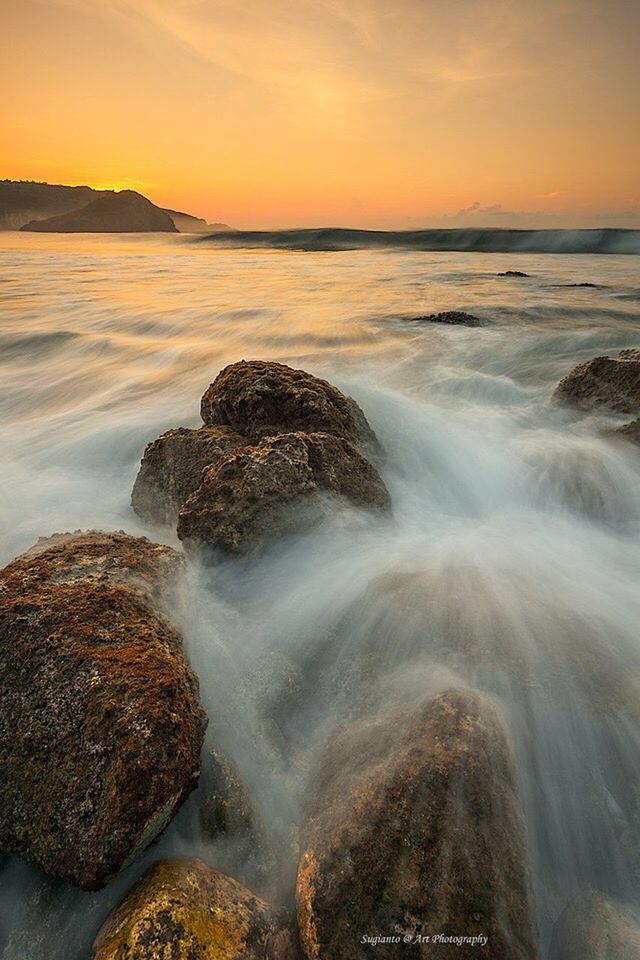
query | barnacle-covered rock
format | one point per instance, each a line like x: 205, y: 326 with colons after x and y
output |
x: 101, y: 726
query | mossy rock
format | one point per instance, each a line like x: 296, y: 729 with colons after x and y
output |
x: 414, y: 829
x: 101, y: 725
x: 183, y: 910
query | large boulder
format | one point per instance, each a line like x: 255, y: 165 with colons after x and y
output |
x: 183, y: 910
x: 592, y: 927
x: 275, y: 487
x: 101, y: 726
x: 171, y: 469
x: 153, y: 569
x: 415, y: 832
x: 611, y: 383
x: 258, y: 398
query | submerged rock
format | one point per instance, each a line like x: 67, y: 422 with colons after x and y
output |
x: 630, y: 431
x: 414, y: 831
x: 183, y: 910
x: 260, y: 399
x: 274, y: 488
x: 513, y: 273
x: 458, y: 317
x: 612, y: 383
x: 594, y: 928
x: 101, y: 726
x: 171, y: 469
x: 50, y: 922
x: 228, y: 814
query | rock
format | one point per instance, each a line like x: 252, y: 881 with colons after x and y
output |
x: 183, y: 910
x: 99, y: 557
x: 228, y: 814
x: 513, y: 273
x: 593, y: 285
x: 124, y: 211
x: 612, y: 383
x: 274, y: 488
x: 262, y: 399
x: 458, y: 317
x: 273, y: 686
x: 101, y: 726
x: 594, y: 928
x: 415, y: 831
x: 171, y: 469
x: 630, y: 431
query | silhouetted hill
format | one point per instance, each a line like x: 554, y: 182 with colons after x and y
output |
x: 186, y: 223
x: 123, y: 212
x: 24, y: 201
x: 21, y: 201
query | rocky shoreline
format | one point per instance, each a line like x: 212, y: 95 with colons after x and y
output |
x: 412, y: 824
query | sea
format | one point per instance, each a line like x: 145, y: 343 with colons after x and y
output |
x: 515, y: 523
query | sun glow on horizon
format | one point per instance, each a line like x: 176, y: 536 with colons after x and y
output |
x: 453, y: 113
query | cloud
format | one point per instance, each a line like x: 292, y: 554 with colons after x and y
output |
x: 495, y: 215
x: 472, y: 209
x: 368, y: 48
x: 477, y: 208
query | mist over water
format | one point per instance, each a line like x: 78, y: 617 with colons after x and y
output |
x: 510, y: 563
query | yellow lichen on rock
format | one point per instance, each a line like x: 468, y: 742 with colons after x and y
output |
x: 181, y: 910
x: 305, y: 891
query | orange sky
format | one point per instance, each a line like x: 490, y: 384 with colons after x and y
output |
x: 378, y: 113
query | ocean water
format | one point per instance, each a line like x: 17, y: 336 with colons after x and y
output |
x: 510, y: 563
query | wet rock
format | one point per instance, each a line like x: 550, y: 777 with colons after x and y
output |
x: 274, y: 488
x: 592, y: 285
x: 273, y: 686
x: 183, y: 910
x: 229, y: 817
x: 513, y: 273
x: 594, y: 928
x: 262, y: 399
x: 415, y: 831
x: 171, y: 469
x: 611, y: 383
x: 98, y: 557
x: 630, y: 431
x: 101, y: 726
x: 457, y: 317
x: 474, y: 639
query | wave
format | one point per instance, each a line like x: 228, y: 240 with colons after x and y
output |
x: 468, y: 240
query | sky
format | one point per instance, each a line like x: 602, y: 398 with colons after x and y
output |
x: 366, y: 113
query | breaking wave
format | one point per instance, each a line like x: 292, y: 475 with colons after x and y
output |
x: 469, y: 240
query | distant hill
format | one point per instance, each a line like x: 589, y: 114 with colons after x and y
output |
x: 22, y: 202
x: 189, y: 224
x: 122, y: 212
